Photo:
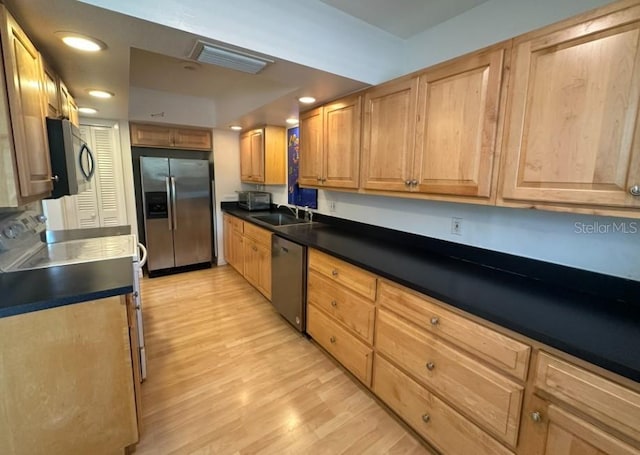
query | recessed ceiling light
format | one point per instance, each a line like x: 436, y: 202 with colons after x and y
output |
x: 100, y: 93
x: 87, y: 110
x: 292, y: 121
x: 81, y: 42
x: 307, y: 99
x: 236, y: 127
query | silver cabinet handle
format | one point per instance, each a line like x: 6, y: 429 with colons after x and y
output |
x: 173, y: 201
x: 254, y: 248
x: 319, y: 179
x: 334, y: 272
x: 55, y: 179
x: 536, y: 417
x: 414, y: 183
x: 169, y: 202
x: 431, y: 366
x: 635, y: 190
x: 407, y: 182
x: 426, y: 418
x: 334, y: 303
x: 435, y: 320
x: 332, y: 339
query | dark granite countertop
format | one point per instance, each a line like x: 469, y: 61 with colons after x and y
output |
x: 40, y: 289
x: 600, y: 325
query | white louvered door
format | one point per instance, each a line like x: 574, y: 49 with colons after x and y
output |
x: 85, y: 214
x: 108, y: 180
x: 103, y: 204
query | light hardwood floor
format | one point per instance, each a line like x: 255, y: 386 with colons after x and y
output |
x: 227, y: 375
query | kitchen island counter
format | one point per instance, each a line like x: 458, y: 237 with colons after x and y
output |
x: 40, y: 289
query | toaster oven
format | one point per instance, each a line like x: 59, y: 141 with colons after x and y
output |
x: 254, y: 200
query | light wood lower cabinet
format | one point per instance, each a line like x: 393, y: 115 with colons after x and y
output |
x: 493, y: 401
x: 607, y: 402
x: 463, y: 386
x: 438, y: 423
x: 501, y: 351
x: 346, y: 348
x: 66, y: 380
x: 248, y: 250
x: 355, y: 312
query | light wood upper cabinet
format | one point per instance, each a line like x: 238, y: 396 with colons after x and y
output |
x: 388, y: 135
x: 68, y: 106
x: 311, y: 152
x: 456, y: 133
x: 263, y: 156
x: 28, y: 177
x: 51, y: 83
x: 330, y: 144
x: 572, y: 133
x: 170, y: 137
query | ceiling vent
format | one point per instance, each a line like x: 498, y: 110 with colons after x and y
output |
x: 228, y: 58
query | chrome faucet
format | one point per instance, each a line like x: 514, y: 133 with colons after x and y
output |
x: 293, y: 209
x: 308, y: 214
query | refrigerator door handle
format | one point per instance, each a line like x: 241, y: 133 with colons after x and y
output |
x: 173, y: 203
x: 169, y: 202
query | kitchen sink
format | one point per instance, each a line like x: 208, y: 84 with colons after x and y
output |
x: 279, y: 219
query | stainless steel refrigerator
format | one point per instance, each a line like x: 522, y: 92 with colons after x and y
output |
x: 176, y: 195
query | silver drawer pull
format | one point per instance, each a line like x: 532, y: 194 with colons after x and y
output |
x: 435, y: 320
x: 536, y: 417
x: 334, y: 303
x: 426, y: 418
x: 430, y: 366
x: 334, y: 272
x: 332, y: 339
x: 635, y: 190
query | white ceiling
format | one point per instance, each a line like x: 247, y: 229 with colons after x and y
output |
x: 144, y: 56
x: 403, y: 18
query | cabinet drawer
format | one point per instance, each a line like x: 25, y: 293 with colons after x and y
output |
x: 503, y: 352
x: 612, y: 404
x: 346, y: 348
x: 491, y: 399
x: 348, y: 275
x: 236, y: 223
x: 438, y: 423
x: 352, y: 310
x: 258, y: 234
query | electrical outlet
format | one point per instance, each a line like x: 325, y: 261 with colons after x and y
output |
x: 456, y: 226
x: 332, y: 206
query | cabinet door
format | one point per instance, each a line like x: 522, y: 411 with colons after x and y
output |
x: 264, y: 270
x: 73, y: 112
x: 252, y: 156
x: 251, y: 261
x: 342, y: 143
x: 226, y: 232
x: 25, y: 89
x: 568, y: 434
x: 457, y: 124
x: 572, y: 132
x: 51, y: 89
x: 236, y: 255
x: 192, y: 139
x: 388, y: 136
x: 310, y: 171
x: 151, y: 135
x: 257, y: 156
x: 64, y: 100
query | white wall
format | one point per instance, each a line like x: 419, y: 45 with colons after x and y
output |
x: 547, y: 236
x: 486, y: 24
x: 177, y: 109
x: 226, y: 163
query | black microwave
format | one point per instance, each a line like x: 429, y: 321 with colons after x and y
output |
x: 72, y: 162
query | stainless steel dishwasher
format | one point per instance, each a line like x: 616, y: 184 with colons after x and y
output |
x: 289, y: 280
